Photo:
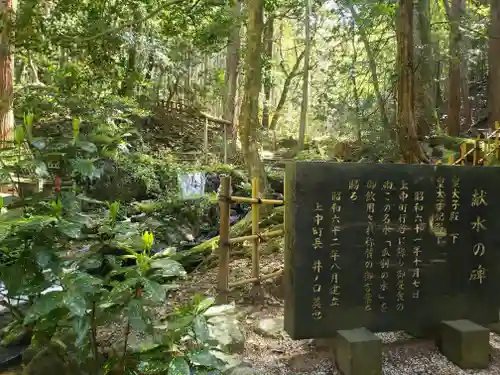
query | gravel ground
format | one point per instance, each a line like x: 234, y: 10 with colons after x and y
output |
x: 283, y: 356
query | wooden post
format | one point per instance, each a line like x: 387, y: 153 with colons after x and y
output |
x: 226, y: 138
x: 224, y: 209
x: 475, y: 153
x: 451, y: 159
x: 255, y: 231
x: 205, y: 141
x: 463, y: 151
x: 497, y: 130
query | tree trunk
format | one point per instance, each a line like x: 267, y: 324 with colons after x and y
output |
x: 406, y: 131
x: 494, y: 64
x: 304, y: 106
x: 249, y: 116
x: 454, y: 82
x: 284, y: 93
x: 352, y: 74
x: 268, y: 82
x: 373, y: 69
x: 464, y: 73
x: 130, y: 79
x: 7, y: 9
x: 231, y: 81
x: 425, y: 104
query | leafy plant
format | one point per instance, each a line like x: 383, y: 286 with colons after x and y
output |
x: 101, y: 269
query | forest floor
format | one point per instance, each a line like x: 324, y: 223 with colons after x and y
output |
x: 270, y: 351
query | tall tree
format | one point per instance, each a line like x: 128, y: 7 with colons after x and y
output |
x: 409, y: 146
x: 7, y: 9
x: 231, y: 79
x: 249, y: 124
x: 304, y: 106
x: 373, y: 67
x: 454, y: 81
x: 494, y: 64
x: 425, y: 103
x: 268, y: 56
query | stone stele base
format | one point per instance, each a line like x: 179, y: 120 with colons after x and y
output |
x: 358, y: 352
x: 465, y: 343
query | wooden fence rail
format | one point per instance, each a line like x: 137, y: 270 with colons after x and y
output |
x: 475, y: 151
x: 225, y: 200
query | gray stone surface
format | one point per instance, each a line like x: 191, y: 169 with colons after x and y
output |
x: 465, y: 343
x: 226, y: 331
x: 358, y: 352
x: 271, y: 327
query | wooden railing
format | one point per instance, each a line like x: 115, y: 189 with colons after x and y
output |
x: 225, y: 242
x: 493, y: 139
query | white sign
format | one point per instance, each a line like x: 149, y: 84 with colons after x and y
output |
x: 192, y: 185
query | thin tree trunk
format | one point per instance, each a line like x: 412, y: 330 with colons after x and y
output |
x: 304, y: 106
x: 284, y: 93
x: 352, y: 74
x: 130, y: 79
x: 454, y: 82
x: 373, y: 69
x: 231, y: 81
x: 249, y: 117
x: 269, y: 42
x: 494, y: 64
x: 7, y: 9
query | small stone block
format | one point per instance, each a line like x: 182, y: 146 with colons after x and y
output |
x: 465, y: 343
x: 358, y: 352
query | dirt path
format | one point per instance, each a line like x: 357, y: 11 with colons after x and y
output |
x: 269, y: 350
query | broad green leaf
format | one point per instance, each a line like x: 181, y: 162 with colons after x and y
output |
x: 135, y: 313
x: 200, y: 329
x: 85, y: 168
x: 72, y: 230
x: 153, y: 290
x: 81, y: 326
x: 87, y: 146
x: 203, y: 357
x: 44, y: 306
x: 152, y: 366
x: 75, y: 302
x: 204, y: 304
x: 168, y: 267
x: 178, y: 366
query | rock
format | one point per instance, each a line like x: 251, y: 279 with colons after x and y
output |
x: 226, y: 331
x: 271, y: 327
x: 218, y: 310
x: 242, y: 369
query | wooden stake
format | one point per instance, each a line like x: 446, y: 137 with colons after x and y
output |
x: 463, y: 153
x: 255, y: 232
x: 497, y: 135
x: 205, y: 141
x: 475, y: 153
x: 224, y: 209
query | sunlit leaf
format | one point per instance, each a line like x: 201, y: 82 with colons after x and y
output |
x: 75, y: 302
x: 153, y: 290
x: 203, y: 357
x: 200, y: 329
x: 44, y: 306
x: 179, y: 366
x: 168, y: 267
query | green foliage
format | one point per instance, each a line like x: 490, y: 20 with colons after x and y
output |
x: 42, y: 236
